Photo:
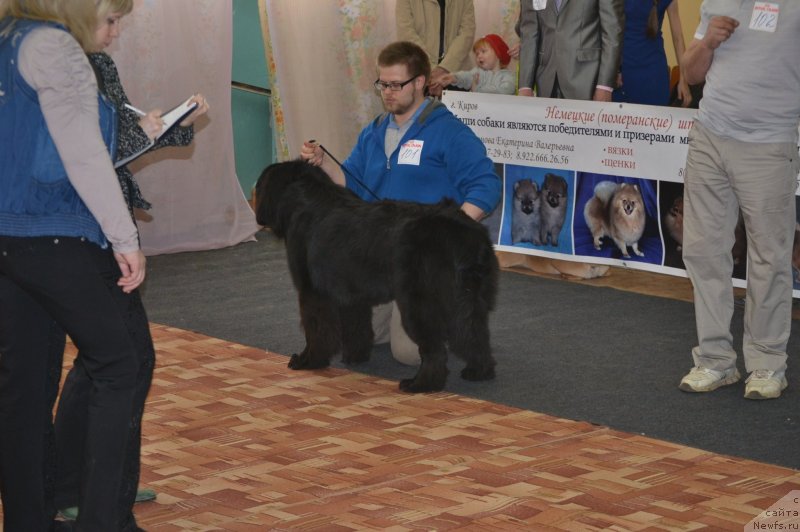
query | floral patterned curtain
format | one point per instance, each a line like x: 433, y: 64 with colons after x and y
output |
x: 166, y: 52
x: 321, y: 55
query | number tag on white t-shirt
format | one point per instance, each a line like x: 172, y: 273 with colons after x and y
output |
x: 765, y: 16
x: 410, y: 152
x: 538, y: 5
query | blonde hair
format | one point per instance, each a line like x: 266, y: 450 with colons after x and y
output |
x: 105, y: 7
x: 79, y: 16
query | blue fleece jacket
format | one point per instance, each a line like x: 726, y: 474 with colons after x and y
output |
x: 438, y: 157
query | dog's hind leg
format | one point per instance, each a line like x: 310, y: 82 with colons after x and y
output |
x: 320, y: 321
x: 469, y: 340
x: 426, y: 328
x: 432, y: 373
x: 468, y: 327
x: 357, y: 335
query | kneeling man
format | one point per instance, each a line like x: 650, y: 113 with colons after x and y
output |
x: 416, y: 151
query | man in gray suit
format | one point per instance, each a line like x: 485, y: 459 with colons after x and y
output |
x: 570, y: 48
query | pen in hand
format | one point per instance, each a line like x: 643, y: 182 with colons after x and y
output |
x: 151, y: 123
x: 135, y: 110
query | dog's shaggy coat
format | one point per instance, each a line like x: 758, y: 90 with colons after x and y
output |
x: 346, y: 256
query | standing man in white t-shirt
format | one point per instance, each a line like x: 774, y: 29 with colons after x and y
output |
x: 743, y: 154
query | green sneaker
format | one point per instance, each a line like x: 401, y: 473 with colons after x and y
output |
x: 142, y: 495
x: 70, y: 514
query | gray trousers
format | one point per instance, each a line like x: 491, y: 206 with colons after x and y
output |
x: 722, y: 176
x: 388, y: 327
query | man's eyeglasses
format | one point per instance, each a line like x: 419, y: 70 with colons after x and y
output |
x: 394, y: 86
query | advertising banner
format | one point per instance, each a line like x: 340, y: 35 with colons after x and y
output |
x: 590, y: 181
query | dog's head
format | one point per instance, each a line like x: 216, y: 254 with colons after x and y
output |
x: 526, y: 195
x: 554, y: 189
x: 273, y: 204
x: 267, y: 190
x: 628, y: 199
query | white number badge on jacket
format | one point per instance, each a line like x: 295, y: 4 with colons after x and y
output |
x: 765, y: 16
x: 410, y: 152
x: 538, y: 5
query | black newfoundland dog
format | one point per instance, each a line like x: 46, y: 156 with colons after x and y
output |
x: 346, y: 255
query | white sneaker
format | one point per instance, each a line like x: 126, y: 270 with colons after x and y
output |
x: 765, y: 384
x: 700, y: 379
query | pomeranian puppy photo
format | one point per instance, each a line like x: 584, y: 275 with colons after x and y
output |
x: 616, y: 210
x: 554, y: 198
x: 526, y: 213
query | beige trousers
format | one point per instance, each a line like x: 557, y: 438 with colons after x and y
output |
x: 723, y: 175
x: 388, y: 327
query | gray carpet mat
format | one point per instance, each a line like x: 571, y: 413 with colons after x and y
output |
x: 594, y: 354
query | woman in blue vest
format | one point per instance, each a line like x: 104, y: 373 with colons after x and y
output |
x: 69, y: 258
x: 136, y: 133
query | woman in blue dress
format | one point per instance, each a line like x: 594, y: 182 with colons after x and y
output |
x: 645, y: 76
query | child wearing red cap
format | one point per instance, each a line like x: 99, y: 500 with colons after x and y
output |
x: 490, y: 74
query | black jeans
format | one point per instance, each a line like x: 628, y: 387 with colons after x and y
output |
x: 73, y: 283
x: 72, y: 419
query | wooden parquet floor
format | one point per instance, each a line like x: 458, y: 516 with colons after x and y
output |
x: 234, y: 440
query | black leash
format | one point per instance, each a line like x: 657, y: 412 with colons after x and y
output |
x: 357, y: 180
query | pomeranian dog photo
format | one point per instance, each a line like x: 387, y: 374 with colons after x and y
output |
x: 553, y: 209
x: 616, y: 210
x: 673, y: 221
x: 526, y: 213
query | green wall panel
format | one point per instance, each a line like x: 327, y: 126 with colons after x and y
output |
x: 249, y: 62
x: 252, y: 136
x: 251, y: 112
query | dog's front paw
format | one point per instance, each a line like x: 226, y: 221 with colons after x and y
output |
x: 304, y: 362
x: 355, y: 358
x: 296, y: 362
x: 477, y: 373
x: 416, y: 386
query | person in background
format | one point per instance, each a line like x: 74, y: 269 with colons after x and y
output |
x: 69, y: 255
x: 490, y: 74
x: 645, y: 76
x: 742, y: 155
x: 134, y: 133
x: 447, y: 161
x: 445, y: 29
x: 570, y: 48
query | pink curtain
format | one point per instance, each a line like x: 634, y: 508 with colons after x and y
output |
x: 321, y: 55
x: 166, y: 52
